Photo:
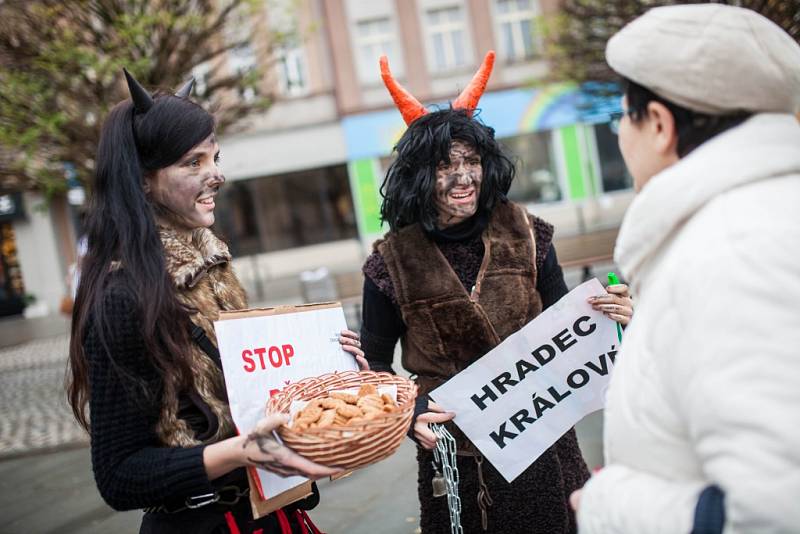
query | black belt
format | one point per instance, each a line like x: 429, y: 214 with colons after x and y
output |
x: 225, y: 496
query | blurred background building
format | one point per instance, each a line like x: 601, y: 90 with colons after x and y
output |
x: 304, y: 176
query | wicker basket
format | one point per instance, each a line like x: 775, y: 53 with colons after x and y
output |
x: 351, y: 446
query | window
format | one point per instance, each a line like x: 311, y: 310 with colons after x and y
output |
x: 242, y: 59
x: 237, y: 217
x: 446, y: 38
x: 537, y: 178
x: 515, y: 22
x: 288, y: 54
x: 614, y: 174
x: 287, y: 210
x: 292, y: 72
x: 375, y: 38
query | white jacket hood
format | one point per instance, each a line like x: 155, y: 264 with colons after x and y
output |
x: 764, y: 146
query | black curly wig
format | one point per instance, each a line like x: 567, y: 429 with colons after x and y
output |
x: 409, y: 187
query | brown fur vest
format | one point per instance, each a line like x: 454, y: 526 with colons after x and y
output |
x: 447, y: 327
x: 205, y: 282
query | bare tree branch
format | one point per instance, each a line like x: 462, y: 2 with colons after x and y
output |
x: 577, y: 35
x: 60, y: 73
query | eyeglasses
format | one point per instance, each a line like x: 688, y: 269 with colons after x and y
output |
x: 615, y: 118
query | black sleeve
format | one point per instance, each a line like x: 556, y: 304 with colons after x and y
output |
x: 550, y: 280
x: 709, y: 515
x: 131, y: 468
x: 381, y: 327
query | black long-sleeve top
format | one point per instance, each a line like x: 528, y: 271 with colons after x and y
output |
x: 462, y: 246
x: 131, y: 468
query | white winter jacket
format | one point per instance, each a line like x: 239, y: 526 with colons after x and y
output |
x: 706, y: 388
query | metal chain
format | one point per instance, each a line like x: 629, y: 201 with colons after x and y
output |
x: 445, y: 454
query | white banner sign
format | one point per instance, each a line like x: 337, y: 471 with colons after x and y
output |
x: 263, y: 354
x: 521, y: 397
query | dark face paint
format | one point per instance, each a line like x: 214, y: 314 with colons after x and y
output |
x: 458, y: 184
x: 183, y: 193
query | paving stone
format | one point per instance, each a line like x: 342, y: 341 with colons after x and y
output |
x: 34, y: 413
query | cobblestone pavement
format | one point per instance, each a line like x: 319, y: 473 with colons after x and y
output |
x: 56, y: 492
x: 34, y: 414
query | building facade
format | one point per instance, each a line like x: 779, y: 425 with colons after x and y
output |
x: 304, y: 180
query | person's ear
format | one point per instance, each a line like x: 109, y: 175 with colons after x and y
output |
x: 662, y: 123
x: 147, y: 183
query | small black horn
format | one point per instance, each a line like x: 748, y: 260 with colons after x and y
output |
x: 186, y: 90
x: 142, y: 101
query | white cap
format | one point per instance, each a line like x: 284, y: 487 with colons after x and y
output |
x: 710, y: 58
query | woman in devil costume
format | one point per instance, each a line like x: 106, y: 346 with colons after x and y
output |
x: 143, y: 354
x: 462, y: 269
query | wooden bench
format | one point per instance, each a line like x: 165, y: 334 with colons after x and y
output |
x: 579, y: 250
x: 349, y: 287
x: 584, y: 250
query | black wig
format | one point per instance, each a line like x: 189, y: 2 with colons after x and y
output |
x: 408, y: 190
x: 123, y: 239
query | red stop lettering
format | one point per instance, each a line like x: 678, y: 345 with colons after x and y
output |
x: 275, y: 357
x: 288, y: 352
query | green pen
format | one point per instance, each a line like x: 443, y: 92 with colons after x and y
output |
x: 613, y: 280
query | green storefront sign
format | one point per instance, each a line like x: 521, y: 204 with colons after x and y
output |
x: 364, y: 183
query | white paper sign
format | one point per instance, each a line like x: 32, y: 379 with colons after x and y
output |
x: 522, y: 396
x: 267, y: 353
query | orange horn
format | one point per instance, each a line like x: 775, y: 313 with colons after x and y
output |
x: 410, y: 108
x: 472, y: 93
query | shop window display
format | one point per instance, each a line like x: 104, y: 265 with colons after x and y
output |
x: 614, y: 175
x: 537, y: 178
x: 12, y: 290
x: 287, y: 211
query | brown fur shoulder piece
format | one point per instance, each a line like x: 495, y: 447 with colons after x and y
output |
x: 189, y: 262
x: 206, y: 285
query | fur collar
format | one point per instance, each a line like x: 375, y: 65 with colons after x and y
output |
x: 205, y: 284
x: 188, y: 262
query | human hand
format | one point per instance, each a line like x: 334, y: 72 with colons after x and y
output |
x: 617, y: 305
x: 351, y: 342
x: 423, y: 434
x: 261, y: 449
x: 575, y: 499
